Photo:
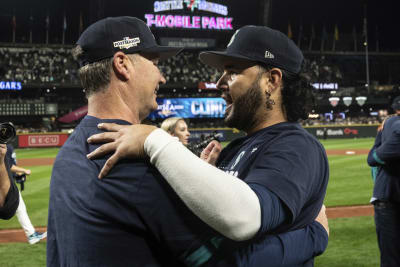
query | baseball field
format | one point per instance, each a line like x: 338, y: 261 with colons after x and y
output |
x: 352, y: 240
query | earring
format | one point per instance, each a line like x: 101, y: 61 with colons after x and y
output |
x: 269, y: 102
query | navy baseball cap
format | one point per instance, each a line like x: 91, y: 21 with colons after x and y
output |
x: 260, y: 44
x: 130, y: 35
x: 396, y: 103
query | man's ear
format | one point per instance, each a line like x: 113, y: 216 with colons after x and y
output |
x: 121, y: 66
x: 276, y: 77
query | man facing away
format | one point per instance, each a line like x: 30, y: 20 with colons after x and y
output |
x: 385, y: 156
x: 271, y: 181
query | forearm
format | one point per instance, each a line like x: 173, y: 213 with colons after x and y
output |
x: 224, y: 202
x: 4, y: 184
x: 17, y: 169
x: 308, y: 242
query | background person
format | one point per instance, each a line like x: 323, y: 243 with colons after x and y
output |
x: 384, y: 158
x: 32, y: 235
x: 9, y: 198
x: 177, y: 126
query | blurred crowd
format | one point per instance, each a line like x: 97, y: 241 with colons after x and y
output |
x: 56, y: 65
x: 38, y: 65
x: 186, y: 68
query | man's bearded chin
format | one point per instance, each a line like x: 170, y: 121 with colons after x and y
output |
x: 243, y: 113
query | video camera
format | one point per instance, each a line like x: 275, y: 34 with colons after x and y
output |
x: 7, y: 132
x: 198, y: 147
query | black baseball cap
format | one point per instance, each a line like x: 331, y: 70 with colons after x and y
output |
x: 130, y: 35
x: 260, y: 44
x: 396, y: 103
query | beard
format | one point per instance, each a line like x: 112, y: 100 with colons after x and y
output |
x: 243, y: 112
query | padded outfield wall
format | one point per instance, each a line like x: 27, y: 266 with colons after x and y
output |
x: 227, y: 134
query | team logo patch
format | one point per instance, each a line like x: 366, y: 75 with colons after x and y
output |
x: 232, y: 38
x: 347, y: 100
x: 361, y: 100
x: 334, y: 101
x: 192, y: 4
x: 127, y: 43
x: 238, y: 159
x: 268, y: 55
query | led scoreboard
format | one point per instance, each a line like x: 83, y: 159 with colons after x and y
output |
x: 219, y: 21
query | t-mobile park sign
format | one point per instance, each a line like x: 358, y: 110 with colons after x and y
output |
x: 188, y: 21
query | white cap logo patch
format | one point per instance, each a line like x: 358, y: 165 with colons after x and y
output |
x: 127, y: 43
x: 269, y: 55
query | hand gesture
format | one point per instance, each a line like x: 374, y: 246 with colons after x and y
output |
x: 125, y: 141
x: 211, y: 153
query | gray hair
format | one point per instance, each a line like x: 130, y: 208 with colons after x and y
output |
x: 96, y: 76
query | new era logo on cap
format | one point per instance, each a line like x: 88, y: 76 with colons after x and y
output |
x: 127, y: 43
x: 269, y: 55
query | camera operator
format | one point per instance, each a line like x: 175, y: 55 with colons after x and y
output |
x: 9, y: 198
x: 22, y: 215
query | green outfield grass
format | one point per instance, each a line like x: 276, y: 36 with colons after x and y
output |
x: 352, y: 241
x: 23, y: 255
x: 31, y: 153
x: 350, y: 180
x: 355, y: 143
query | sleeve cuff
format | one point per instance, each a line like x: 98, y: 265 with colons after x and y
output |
x: 376, y: 158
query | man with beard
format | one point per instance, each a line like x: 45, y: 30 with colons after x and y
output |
x: 271, y: 181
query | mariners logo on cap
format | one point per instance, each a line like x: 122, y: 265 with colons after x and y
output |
x: 232, y: 38
x: 127, y: 42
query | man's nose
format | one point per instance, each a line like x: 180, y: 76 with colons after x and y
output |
x: 222, y: 84
x: 162, y: 80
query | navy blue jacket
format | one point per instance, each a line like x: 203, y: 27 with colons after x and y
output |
x: 385, y: 155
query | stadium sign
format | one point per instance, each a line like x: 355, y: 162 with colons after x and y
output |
x: 325, y: 86
x: 189, y: 108
x: 205, y: 85
x: 7, y: 85
x: 192, y: 5
x: 41, y: 140
x: 187, y: 21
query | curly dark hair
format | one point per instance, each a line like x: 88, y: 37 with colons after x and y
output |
x: 297, y: 93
